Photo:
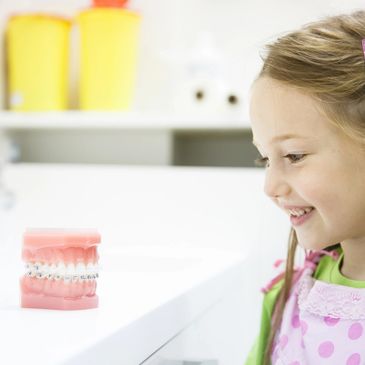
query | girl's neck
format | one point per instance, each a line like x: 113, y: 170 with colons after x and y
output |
x: 353, y: 263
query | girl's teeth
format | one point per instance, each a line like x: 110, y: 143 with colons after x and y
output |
x: 299, y: 212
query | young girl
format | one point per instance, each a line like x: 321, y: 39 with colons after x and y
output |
x: 308, y: 121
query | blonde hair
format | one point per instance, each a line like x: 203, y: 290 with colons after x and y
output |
x: 325, y: 60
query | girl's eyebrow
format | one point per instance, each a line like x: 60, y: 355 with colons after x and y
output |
x: 284, y: 137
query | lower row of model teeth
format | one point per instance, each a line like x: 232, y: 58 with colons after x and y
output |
x: 68, y: 273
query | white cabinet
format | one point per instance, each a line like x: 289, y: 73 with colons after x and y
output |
x: 195, y: 345
x: 218, y: 337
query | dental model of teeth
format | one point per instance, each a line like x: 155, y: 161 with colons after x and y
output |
x: 61, y: 268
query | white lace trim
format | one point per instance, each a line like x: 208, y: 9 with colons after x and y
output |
x: 330, y: 300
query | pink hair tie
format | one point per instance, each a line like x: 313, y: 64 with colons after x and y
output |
x: 363, y: 46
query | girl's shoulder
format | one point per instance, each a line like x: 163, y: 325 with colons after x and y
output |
x: 271, y: 293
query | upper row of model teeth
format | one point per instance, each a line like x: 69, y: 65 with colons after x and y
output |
x: 299, y: 212
x: 69, y: 272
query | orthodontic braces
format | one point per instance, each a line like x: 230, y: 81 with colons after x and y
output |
x: 45, y: 271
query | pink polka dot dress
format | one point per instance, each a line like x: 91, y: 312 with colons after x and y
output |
x: 322, y: 323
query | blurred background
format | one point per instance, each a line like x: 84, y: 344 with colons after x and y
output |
x: 165, y: 83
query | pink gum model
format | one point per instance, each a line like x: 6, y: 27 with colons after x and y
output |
x: 61, y: 269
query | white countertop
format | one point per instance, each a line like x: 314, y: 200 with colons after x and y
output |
x: 143, y: 304
x: 148, y: 292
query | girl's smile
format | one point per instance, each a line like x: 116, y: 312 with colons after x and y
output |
x: 297, y: 220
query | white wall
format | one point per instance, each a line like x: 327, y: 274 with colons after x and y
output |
x: 240, y: 28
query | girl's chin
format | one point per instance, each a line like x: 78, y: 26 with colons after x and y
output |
x: 313, y: 246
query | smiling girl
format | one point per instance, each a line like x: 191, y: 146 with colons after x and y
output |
x: 307, y: 112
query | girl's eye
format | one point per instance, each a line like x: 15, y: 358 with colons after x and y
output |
x: 294, y: 158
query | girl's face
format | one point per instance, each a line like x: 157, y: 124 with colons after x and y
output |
x: 318, y: 166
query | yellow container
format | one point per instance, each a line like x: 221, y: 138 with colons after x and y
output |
x: 38, y: 62
x: 108, y: 47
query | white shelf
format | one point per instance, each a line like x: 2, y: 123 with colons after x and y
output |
x: 117, y: 120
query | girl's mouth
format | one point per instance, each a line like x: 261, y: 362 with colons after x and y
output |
x: 298, y: 220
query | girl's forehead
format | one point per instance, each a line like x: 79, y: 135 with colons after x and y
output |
x: 277, y: 110
x: 271, y: 97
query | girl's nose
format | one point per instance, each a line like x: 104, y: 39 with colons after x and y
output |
x: 275, y: 184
